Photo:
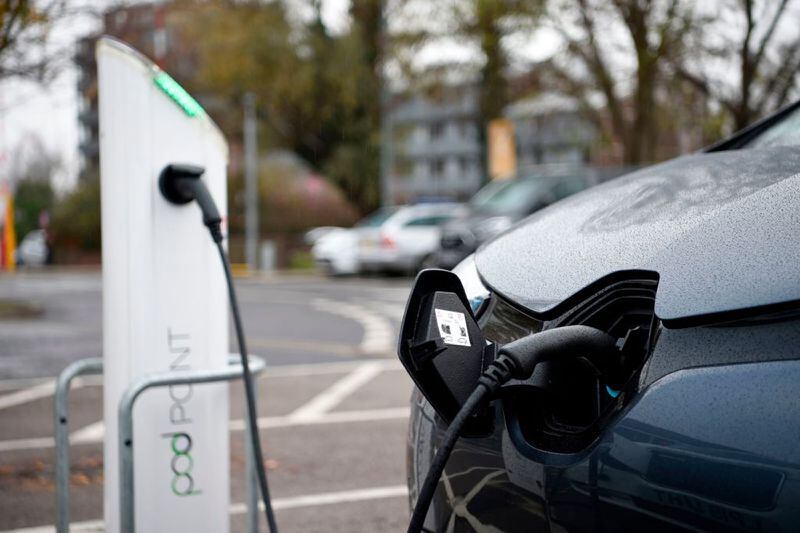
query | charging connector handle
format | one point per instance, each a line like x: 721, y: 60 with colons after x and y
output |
x: 527, y: 352
x: 180, y: 184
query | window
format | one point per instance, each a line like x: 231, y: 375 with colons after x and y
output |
x: 568, y: 186
x: 403, y: 166
x: 377, y: 218
x: 428, y: 221
x: 785, y: 133
x: 437, y: 168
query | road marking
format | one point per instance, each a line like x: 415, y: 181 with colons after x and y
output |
x: 336, y: 417
x: 379, y: 335
x: 21, y: 383
x: 333, y: 395
x: 30, y: 394
x: 279, y: 371
x: 26, y: 444
x: 315, y: 369
x: 330, y: 498
x: 93, y: 433
x: 42, y: 388
x: 279, y: 504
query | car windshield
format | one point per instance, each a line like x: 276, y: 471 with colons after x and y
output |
x: 784, y: 133
x: 377, y: 218
x: 508, y: 196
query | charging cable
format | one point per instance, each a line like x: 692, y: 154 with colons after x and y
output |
x: 515, y: 360
x: 180, y: 184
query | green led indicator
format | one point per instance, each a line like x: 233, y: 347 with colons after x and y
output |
x: 178, y: 94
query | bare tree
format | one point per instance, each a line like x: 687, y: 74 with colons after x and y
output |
x: 24, y: 29
x: 620, y: 51
x: 758, y: 42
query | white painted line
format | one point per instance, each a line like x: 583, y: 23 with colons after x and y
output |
x: 37, y: 392
x: 26, y: 444
x: 316, y: 369
x: 333, y: 395
x: 336, y: 417
x: 379, y: 337
x: 278, y: 371
x: 21, y: 383
x: 93, y: 433
x: 88, y: 526
x: 279, y: 504
x: 330, y: 498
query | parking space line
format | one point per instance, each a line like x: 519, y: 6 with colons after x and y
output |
x: 93, y: 433
x: 35, y: 443
x: 315, y: 369
x: 330, y: 498
x: 336, y: 417
x: 302, y: 369
x: 29, y: 394
x: 279, y: 504
x: 378, y: 336
x: 333, y: 395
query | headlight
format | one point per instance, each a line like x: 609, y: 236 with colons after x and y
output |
x: 477, y: 293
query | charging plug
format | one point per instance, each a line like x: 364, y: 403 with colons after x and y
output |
x: 515, y: 360
x: 180, y: 184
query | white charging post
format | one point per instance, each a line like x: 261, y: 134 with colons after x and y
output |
x: 164, y: 297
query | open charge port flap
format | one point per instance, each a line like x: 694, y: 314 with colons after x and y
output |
x: 565, y: 404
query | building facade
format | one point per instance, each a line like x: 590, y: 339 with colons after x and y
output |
x: 435, y: 148
x: 149, y: 28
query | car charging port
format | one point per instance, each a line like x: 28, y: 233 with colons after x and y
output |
x: 566, y: 403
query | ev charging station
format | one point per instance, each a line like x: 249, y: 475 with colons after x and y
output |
x: 164, y: 297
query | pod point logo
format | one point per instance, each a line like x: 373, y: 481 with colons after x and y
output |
x: 180, y: 442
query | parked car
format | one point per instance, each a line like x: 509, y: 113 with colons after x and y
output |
x: 33, y: 249
x: 335, y: 252
x: 315, y: 234
x: 402, y: 238
x: 496, y: 207
x: 694, y: 266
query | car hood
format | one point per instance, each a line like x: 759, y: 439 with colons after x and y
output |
x: 719, y: 231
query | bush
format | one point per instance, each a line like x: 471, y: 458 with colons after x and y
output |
x: 31, y: 198
x: 75, y: 224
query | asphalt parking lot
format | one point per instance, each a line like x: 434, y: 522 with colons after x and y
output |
x: 333, y: 402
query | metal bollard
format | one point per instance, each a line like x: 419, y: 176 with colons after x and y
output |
x: 92, y: 365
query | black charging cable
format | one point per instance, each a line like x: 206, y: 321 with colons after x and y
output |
x: 515, y: 360
x: 180, y: 184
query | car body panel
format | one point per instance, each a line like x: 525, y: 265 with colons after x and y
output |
x: 719, y: 230
x: 33, y: 249
x: 405, y: 239
x: 497, y: 207
x: 700, y: 449
x: 336, y: 251
x: 701, y: 254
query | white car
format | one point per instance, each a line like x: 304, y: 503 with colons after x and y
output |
x: 336, y: 251
x: 33, y: 249
x: 402, y: 238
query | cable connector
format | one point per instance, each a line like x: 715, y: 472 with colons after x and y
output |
x: 499, y: 372
x: 180, y: 184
